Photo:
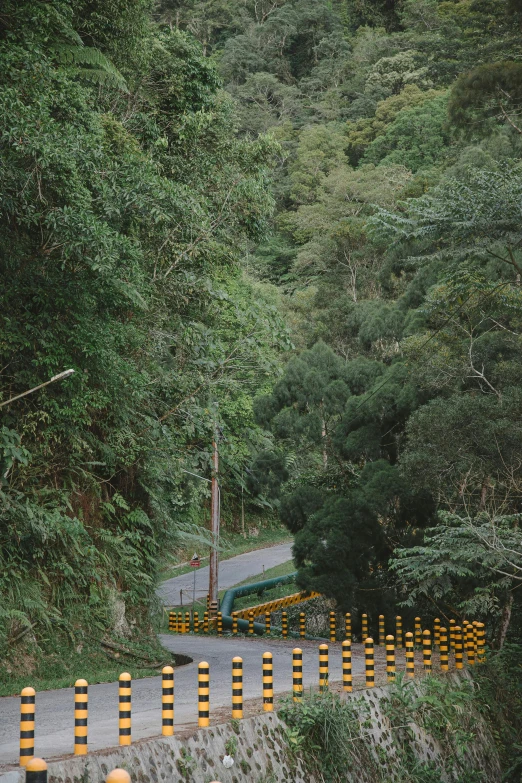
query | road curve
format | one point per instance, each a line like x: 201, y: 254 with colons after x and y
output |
x: 231, y: 572
x: 54, y: 709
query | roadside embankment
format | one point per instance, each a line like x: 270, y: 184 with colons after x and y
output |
x: 421, y: 731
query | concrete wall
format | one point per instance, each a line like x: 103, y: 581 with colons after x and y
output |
x: 381, y: 743
x: 262, y: 754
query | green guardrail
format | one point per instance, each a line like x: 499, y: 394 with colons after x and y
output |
x: 227, y: 603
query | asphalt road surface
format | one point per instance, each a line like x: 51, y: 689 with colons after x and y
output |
x: 231, y: 572
x: 54, y: 709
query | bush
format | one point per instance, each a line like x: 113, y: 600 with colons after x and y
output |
x: 499, y: 698
x: 326, y: 732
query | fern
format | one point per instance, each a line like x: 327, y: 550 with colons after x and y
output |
x: 99, y: 69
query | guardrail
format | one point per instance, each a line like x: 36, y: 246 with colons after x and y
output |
x: 278, y: 603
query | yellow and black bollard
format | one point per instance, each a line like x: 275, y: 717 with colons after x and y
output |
x: 196, y: 622
x: 297, y: 673
x: 167, y: 701
x: 237, y: 687
x: 284, y: 624
x: 348, y: 626
x: 382, y: 631
x: 173, y: 623
x: 250, y: 623
x: 187, y: 622
x: 219, y: 624
x: 364, y: 627
x: 332, y: 627
x: 36, y: 771
x: 410, y: 655
x: 302, y: 625
x: 268, y: 682
x: 481, y: 643
x: 27, y: 711
x: 203, y: 694
x: 452, y: 634
x: 208, y: 602
x: 234, y: 624
x: 323, y: 667
x: 118, y: 776
x: 443, y: 649
x: 426, y: 650
x: 369, y: 661
x: 458, y: 648
x: 125, y: 708
x: 436, y: 632
x: 80, y: 717
x: 470, y: 645
x: 390, y: 658
x: 418, y: 632
x: 398, y: 631
x: 347, y: 665
x: 205, y: 622
x: 267, y: 623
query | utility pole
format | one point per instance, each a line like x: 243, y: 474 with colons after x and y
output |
x: 214, y: 521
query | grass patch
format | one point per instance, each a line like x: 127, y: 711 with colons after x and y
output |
x: 232, y: 544
x: 271, y: 573
x: 59, y: 665
x: 281, y: 591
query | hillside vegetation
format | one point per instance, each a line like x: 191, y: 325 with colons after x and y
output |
x: 299, y: 220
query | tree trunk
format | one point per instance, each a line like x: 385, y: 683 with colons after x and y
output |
x: 325, y: 454
x: 504, y: 621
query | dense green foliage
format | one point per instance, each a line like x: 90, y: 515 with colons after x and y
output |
x: 189, y: 188
x: 335, y: 737
x: 127, y: 201
x: 397, y: 245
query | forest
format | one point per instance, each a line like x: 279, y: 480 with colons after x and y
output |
x: 300, y: 221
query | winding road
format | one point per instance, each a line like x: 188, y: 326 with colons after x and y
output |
x: 231, y: 572
x: 54, y: 709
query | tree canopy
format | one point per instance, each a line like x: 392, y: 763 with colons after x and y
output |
x: 300, y: 220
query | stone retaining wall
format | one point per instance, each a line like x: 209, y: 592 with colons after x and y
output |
x: 261, y: 753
